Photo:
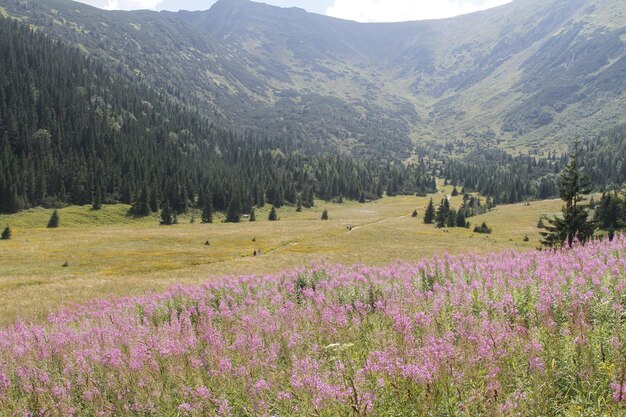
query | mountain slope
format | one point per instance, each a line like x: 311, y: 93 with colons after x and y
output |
x: 525, y: 75
x: 73, y: 132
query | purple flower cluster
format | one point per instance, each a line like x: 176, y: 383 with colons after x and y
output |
x: 505, y: 334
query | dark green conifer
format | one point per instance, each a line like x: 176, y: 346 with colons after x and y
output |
x: 429, y: 214
x: 167, y: 216
x: 6, y: 233
x: 207, y: 212
x: 573, y: 222
x: 325, y: 215
x: 442, y: 213
x: 460, y: 219
x: 273, y: 216
x: 233, y: 212
x: 54, y: 220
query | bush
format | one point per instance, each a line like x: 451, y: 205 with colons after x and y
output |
x: 483, y: 228
x: 54, y: 220
x: 6, y: 233
x: 325, y: 215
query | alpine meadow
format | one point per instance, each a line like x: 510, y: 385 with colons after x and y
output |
x: 257, y: 211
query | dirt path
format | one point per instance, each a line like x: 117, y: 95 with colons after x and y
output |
x: 377, y: 222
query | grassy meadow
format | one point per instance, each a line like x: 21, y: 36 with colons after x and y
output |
x: 110, y: 253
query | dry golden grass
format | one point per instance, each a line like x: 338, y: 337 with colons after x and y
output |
x: 110, y: 253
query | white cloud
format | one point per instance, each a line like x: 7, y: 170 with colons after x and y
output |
x: 132, y: 4
x: 123, y: 4
x: 403, y: 10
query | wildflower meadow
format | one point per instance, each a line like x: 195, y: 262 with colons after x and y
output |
x: 509, y: 334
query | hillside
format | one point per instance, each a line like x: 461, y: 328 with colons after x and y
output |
x: 531, y: 74
x: 72, y: 131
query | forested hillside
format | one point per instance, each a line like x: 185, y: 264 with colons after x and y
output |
x: 531, y: 74
x: 73, y: 132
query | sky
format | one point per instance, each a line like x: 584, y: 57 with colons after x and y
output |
x: 359, y: 10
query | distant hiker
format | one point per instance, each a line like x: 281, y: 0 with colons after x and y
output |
x: 259, y: 252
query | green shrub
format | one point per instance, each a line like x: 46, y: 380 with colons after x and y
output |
x: 483, y: 228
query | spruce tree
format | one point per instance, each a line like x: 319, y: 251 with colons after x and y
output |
x: 207, y: 212
x: 272, y: 216
x: 325, y: 215
x: 252, y: 215
x: 414, y: 214
x: 460, y: 219
x: 429, y: 214
x: 442, y: 213
x: 6, y: 233
x: 451, y: 222
x: 574, y: 222
x: 154, y: 201
x: 167, y: 217
x: 233, y: 212
x: 97, y: 197
x: 540, y: 224
x: 54, y: 220
x: 141, y: 205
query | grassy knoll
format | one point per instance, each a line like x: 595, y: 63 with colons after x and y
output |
x: 111, y: 253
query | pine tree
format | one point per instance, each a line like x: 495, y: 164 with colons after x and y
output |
x: 429, y: 214
x: 54, y: 220
x: 207, y: 212
x: 442, y: 213
x: 298, y: 206
x: 325, y: 215
x: 451, y: 221
x: 414, y: 214
x: 6, y: 233
x: 252, y: 215
x: 167, y: 217
x: 97, y: 197
x: 141, y: 205
x: 573, y: 222
x: 272, y: 216
x: 233, y: 212
x: 460, y: 219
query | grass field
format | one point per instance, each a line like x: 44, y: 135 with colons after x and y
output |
x: 109, y: 252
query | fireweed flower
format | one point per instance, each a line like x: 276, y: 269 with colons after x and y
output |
x: 471, y: 334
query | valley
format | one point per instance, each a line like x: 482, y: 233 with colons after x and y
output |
x: 258, y: 211
x: 110, y: 253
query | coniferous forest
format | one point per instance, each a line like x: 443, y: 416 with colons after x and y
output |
x: 71, y: 132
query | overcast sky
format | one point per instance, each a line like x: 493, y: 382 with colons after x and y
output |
x: 360, y: 10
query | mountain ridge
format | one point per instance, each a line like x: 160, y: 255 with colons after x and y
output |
x: 500, y: 77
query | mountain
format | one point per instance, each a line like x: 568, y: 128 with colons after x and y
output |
x: 74, y: 132
x: 528, y: 75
